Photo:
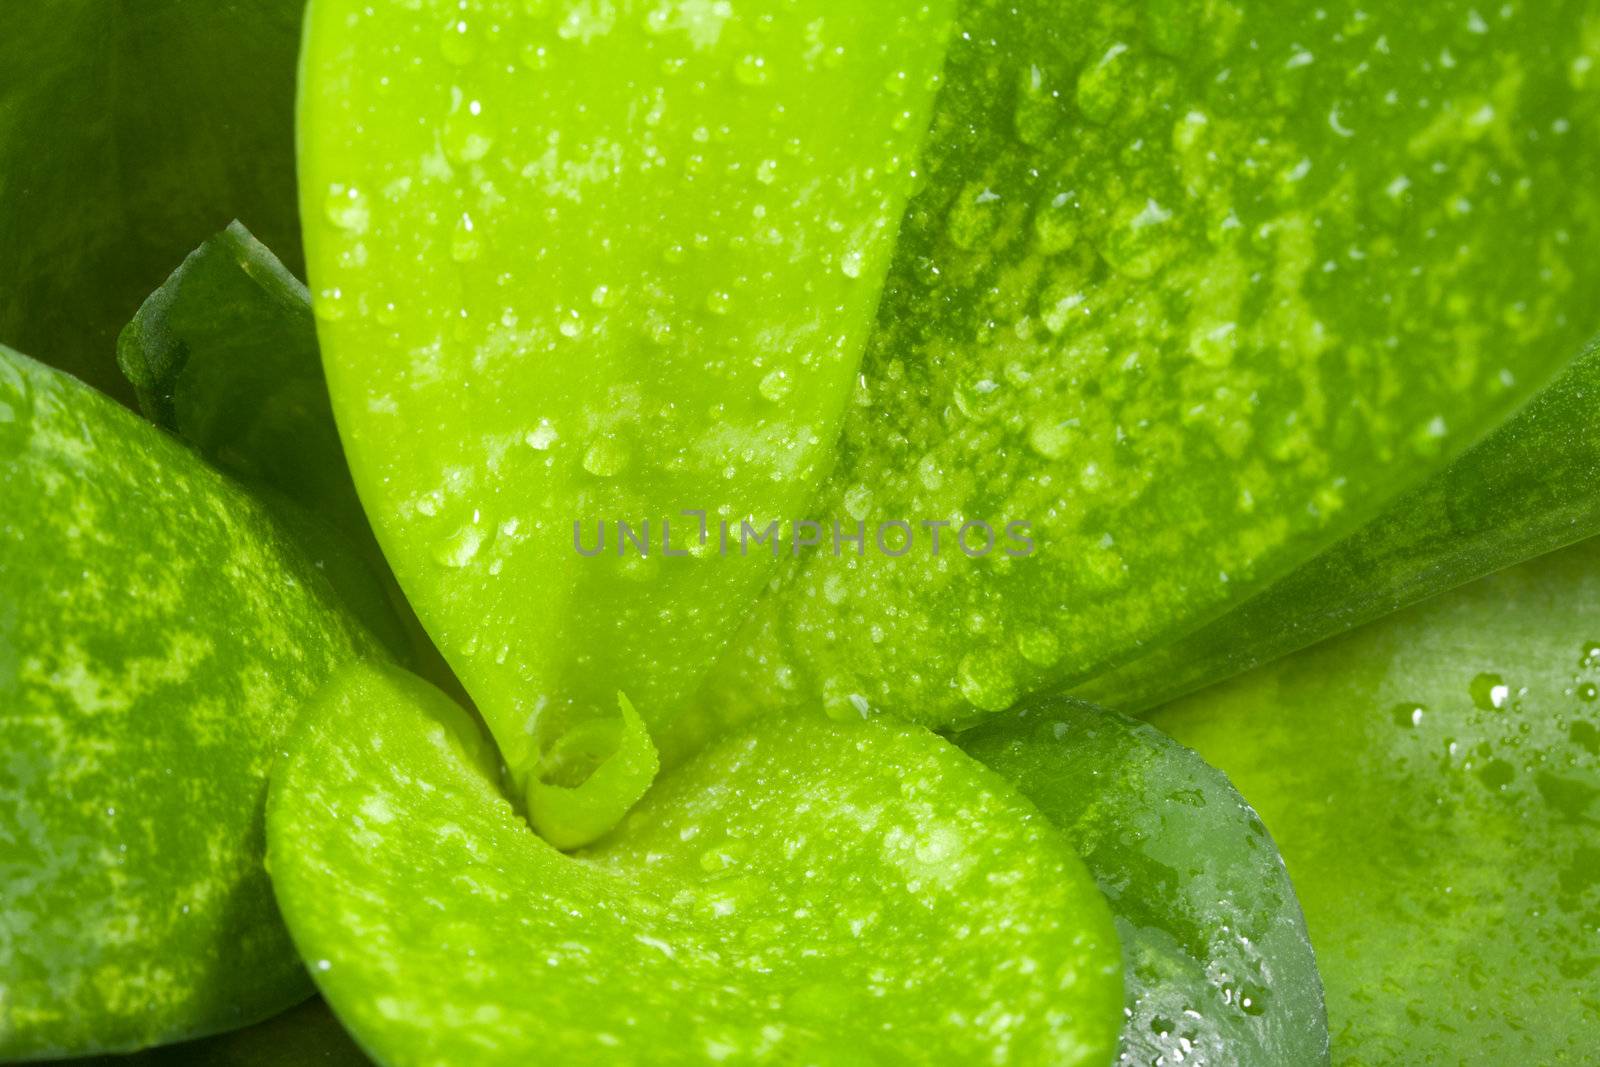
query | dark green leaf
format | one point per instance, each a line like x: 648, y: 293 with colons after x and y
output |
x: 158, y: 633
x: 1216, y: 960
x: 129, y: 133
x: 224, y: 354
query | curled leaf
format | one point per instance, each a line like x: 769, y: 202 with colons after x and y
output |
x: 804, y: 892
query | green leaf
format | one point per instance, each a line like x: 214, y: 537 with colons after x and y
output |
x: 129, y: 133
x: 157, y: 635
x: 1217, y: 963
x: 1433, y: 781
x: 224, y: 354
x: 594, y: 266
x: 1527, y: 489
x: 1195, y: 288
x: 805, y: 892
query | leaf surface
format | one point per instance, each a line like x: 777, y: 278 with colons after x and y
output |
x: 1433, y: 781
x: 129, y: 133
x: 1195, y: 289
x: 158, y: 632
x: 1529, y: 488
x: 804, y: 892
x: 1216, y: 960
x: 590, y: 265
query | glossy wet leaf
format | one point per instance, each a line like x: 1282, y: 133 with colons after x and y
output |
x: 1529, y: 488
x: 157, y: 636
x: 804, y: 892
x: 1217, y: 963
x: 1433, y: 781
x: 129, y: 133
x: 581, y: 265
x: 224, y: 355
x: 1194, y: 288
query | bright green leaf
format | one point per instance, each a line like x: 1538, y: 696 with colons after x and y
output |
x: 805, y: 892
x: 1433, y: 781
x: 129, y: 133
x: 595, y: 265
x: 1217, y: 964
x: 1529, y: 488
x: 157, y: 636
x: 1194, y: 288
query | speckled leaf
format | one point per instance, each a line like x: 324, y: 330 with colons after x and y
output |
x: 1433, y: 781
x: 224, y: 354
x: 1529, y: 488
x: 157, y: 635
x: 590, y: 263
x: 1217, y: 964
x: 1194, y: 287
x: 803, y: 893
x: 129, y: 133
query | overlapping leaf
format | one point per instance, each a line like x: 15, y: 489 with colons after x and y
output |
x: 805, y: 892
x: 157, y: 635
x: 1434, y: 782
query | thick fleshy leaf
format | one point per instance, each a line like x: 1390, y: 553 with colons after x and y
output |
x: 1193, y: 288
x: 578, y: 265
x: 225, y: 355
x: 1216, y: 960
x: 805, y: 892
x: 129, y: 133
x: 1433, y: 781
x: 1529, y: 488
x: 157, y: 635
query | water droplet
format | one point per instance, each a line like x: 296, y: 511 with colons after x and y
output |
x: 850, y: 264
x: 606, y: 457
x: 329, y: 305
x: 459, y: 44
x: 1039, y: 646
x: 972, y: 218
x: 986, y: 681
x: 1407, y: 714
x: 1489, y: 691
x: 460, y: 548
x: 1038, y: 109
x: 858, y: 502
x: 1056, y: 224
x: 1052, y: 438
x: 541, y: 437
x: 776, y: 385
x: 464, y: 242
x: 346, y: 207
x: 751, y: 71
x: 719, y: 302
